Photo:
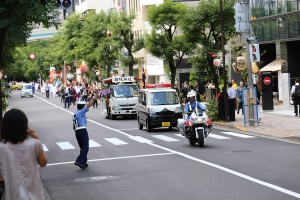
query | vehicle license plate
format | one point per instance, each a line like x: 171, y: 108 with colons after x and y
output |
x: 27, y: 95
x: 165, y: 124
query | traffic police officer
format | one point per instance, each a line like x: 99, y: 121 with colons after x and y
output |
x: 79, y: 125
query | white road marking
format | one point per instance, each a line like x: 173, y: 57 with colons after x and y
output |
x: 45, y: 148
x: 179, y: 135
x: 129, y: 129
x: 116, y: 158
x: 238, y: 135
x: 92, y: 143
x: 220, y: 137
x: 65, y: 145
x: 275, y: 187
x: 140, y: 139
x: 115, y: 141
x: 165, y: 138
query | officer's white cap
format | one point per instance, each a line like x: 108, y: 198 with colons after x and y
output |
x: 81, y: 102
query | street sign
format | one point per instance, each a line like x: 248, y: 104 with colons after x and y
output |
x: 217, y: 62
x: 267, y: 81
x: 32, y: 56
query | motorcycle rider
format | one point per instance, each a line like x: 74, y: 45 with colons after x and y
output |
x: 191, y: 105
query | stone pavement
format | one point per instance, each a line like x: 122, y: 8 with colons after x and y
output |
x: 281, y: 123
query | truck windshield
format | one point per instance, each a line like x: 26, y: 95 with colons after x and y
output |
x: 26, y: 87
x: 163, y: 98
x: 125, y: 91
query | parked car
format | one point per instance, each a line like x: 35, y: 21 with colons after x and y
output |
x: 26, y: 90
x: 17, y: 86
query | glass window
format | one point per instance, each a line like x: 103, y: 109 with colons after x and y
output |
x: 291, y: 5
x: 274, y: 29
x: 281, y: 6
x: 255, y: 9
x: 265, y: 7
x: 266, y: 30
x: 257, y: 30
x: 125, y: 91
x: 283, y: 27
x: 293, y: 26
x: 273, y: 7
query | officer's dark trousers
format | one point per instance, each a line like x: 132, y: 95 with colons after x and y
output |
x: 83, y: 142
x: 67, y: 102
x: 47, y: 93
x: 231, y: 110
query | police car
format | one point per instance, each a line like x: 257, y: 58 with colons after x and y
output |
x: 158, y: 106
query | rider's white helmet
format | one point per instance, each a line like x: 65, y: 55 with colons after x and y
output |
x: 191, y: 94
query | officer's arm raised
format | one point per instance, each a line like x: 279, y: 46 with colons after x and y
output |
x: 89, y: 104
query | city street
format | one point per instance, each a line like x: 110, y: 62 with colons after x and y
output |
x: 128, y: 163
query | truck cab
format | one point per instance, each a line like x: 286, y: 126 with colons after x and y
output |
x: 158, y: 106
x: 123, y: 97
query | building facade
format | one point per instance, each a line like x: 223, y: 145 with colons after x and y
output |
x: 276, y: 23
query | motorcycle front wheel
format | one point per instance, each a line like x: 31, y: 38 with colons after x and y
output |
x: 201, y: 138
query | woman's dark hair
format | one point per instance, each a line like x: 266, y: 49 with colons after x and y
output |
x: 14, y: 126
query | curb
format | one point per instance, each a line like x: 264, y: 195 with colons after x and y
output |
x: 240, y: 129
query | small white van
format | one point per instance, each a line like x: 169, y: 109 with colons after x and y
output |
x: 158, y: 107
x: 26, y: 90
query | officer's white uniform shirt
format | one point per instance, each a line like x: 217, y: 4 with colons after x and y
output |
x: 231, y: 93
x: 293, y: 88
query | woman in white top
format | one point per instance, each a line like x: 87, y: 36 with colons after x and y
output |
x: 20, y: 154
x: 43, y: 90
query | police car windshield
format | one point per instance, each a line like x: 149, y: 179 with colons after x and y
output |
x: 125, y: 91
x: 163, y: 98
x: 26, y: 87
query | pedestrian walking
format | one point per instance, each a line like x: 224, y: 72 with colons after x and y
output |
x: 295, y: 95
x: 43, y: 90
x: 79, y: 126
x: 239, y: 96
x: 67, y: 101
x: 47, y: 88
x: 20, y: 154
x: 231, y: 96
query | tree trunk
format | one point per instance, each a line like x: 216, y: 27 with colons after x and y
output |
x: 173, y: 72
x: 131, y: 63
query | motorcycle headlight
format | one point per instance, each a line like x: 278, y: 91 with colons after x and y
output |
x: 178, y: 110
x: 151, y: 110
x: 200, y: 119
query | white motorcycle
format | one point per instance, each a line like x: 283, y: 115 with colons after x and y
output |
x: 195, y: 128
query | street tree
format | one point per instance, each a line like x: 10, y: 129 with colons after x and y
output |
x: 166, y: 40
x: 121, y: 28
x: 17, y: 18
x: 203, y: 27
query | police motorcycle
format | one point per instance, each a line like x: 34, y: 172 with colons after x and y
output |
x: 196, y: 127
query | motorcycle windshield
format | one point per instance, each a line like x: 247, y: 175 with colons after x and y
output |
x: 197, y: 113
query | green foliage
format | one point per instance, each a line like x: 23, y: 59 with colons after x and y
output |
x: 163, y: 42
x: 212, y: 108
x: 202, y: 26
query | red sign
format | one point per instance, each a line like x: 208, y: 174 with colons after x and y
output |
x: 267, y: 81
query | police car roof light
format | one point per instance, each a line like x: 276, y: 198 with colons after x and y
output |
x: 166, y: 85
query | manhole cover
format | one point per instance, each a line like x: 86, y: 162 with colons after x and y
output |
x: 98, y: 178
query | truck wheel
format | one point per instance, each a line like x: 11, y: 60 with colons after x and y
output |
x: 141, y: 126
x: 148, y: 127
x: 112, y: 116
x: 201, y: 138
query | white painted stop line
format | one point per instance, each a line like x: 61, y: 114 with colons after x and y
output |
x: 238, y: 135
x: 115, y: 141
x: 165, y: 138
x: 65, y: 145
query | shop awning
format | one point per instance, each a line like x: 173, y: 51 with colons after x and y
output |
x: 274, y: 66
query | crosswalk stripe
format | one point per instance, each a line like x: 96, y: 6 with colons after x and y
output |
x: 238, y: 135
x: 179, y: 135
x: 165, y: 138
x: 65, y: 145
x: 220, y: 137
x: 140, y: 139
x: 115, y: 141
x: 45, y: 148
x: 92, y: 143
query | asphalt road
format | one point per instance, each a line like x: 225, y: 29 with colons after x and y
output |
x: 127, y: 163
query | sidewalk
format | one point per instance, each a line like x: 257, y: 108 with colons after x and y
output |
x: 281, y: 123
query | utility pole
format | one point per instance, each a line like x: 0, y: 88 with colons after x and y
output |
x: 249, y: 64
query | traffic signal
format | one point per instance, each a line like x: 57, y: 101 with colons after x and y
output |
x: 63, y: 4
x: 254, y: 52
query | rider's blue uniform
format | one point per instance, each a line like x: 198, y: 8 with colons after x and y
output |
x: 193, y: 105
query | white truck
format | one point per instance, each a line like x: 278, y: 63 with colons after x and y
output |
x: 123, y: 97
